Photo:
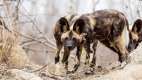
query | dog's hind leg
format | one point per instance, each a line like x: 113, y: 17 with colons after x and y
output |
x: 122, y: 51
x: 88, y: 51
x: 93, y: 62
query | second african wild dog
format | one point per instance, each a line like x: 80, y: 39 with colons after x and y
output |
x: 135, y: 35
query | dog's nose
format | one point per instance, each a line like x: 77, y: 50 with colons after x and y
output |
x: 70, y: 47
x: 132, y: 46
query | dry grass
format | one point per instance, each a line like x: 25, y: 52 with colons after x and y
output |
x: 10, y: 52
x: 18, y: 58
x: 7, y: 41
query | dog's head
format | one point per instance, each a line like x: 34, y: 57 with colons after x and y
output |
x: 72, y: 37
x: 76, y: 32
x: 135, y: 35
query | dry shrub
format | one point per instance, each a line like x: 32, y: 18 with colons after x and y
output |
x: 18, y: 58
x: 10, y: 52
x: 7, y: 41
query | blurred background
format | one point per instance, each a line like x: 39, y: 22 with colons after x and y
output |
x: 35, y: 19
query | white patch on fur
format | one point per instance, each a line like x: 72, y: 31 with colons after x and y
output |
x: 126, y: 36
x: 64, y: 35
x: 68, y: 17
x: 135, y: 36
x: 92, y: 21
x: 73, y: 21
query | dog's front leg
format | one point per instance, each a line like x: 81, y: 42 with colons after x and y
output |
x: 59, y: 47
x: 78, y: 54
x: 93, y: 62
x: 65, y: 58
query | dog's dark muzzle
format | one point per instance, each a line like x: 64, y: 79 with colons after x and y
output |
x: 132, y: 45
x: 69, y: 44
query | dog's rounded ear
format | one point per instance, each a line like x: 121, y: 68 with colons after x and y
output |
x: 137, y: 26
x: 79, y: 26
x: 62, y: 25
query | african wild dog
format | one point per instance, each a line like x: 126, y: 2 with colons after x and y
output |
x: 67, y: 39
x: 135, y: 35
x: 60, y: 27
x: 110, y: 27
x: 107, y: 26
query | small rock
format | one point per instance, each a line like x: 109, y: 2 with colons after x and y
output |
x: 21, y: 75
x: 57, y: 69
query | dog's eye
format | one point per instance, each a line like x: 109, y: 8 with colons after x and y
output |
x: 74, y: 38
x: 66, y: 38
x: 134, y: 41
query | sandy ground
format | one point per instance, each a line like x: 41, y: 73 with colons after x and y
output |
x: 106, y: 59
